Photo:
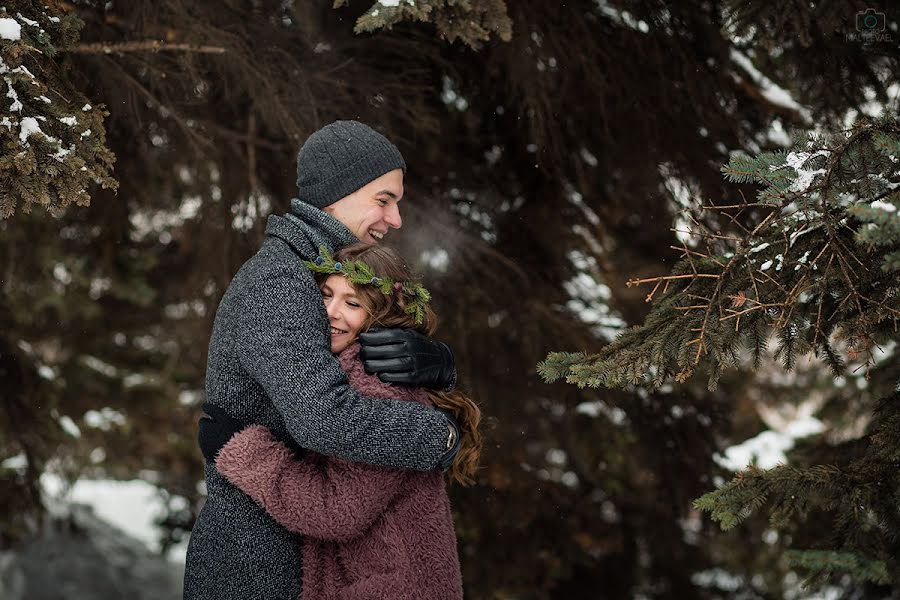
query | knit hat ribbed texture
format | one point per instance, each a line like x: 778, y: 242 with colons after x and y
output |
x: 340, y: 158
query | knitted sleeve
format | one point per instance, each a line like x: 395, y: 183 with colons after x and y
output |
x: 284, y: 346
x: 333, y: 500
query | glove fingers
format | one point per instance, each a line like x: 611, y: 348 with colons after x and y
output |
x: 392, y: 365
x: 376, y: 337
x: 383, y: 352
x: 404, y: 378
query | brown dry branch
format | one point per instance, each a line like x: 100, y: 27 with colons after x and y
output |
x: 142, y: 46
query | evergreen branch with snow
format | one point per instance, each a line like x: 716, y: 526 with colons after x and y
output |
x: 804, y: 272
x: 464, y: 20
x: 53, y: 139
x: 817, y: 272
x: 859, y: 496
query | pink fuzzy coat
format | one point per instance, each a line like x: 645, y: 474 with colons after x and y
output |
x: 369, y: 532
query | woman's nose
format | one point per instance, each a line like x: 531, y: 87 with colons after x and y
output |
x: 331, y: 307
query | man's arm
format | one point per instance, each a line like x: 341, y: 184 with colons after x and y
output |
x: 337, y: 501
x: 284, y: 345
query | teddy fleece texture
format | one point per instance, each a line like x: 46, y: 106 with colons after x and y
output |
x: 270, y: 363
x: 369, y: 532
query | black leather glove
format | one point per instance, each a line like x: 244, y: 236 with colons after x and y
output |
x: 407, y: 357
x: 215, y: 430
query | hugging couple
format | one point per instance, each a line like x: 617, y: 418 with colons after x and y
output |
x: 333, y: 418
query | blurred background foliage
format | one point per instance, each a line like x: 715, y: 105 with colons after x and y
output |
x: 556, y: 149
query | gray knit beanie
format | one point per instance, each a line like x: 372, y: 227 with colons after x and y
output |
x: 341, y: 158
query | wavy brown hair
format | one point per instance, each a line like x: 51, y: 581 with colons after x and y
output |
x: 388, y: 311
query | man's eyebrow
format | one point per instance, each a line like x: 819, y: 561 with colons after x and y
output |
x: 387, y: 193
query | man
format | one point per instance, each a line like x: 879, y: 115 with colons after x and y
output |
x: 270, y: 363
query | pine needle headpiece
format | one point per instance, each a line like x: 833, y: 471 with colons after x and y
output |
x: 359, y: 273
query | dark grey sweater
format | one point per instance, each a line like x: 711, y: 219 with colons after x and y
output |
x: 270, y: 363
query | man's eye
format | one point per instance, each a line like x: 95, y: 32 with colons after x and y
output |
x: 382, y: 202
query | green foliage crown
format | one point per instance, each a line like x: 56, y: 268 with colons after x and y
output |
x: 359, y: 273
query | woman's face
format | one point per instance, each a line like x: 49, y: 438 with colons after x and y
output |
x: 345, y: 312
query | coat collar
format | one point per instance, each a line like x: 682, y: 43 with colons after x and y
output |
x: 306, y: 228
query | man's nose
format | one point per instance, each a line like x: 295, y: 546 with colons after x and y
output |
x: 392, y: 216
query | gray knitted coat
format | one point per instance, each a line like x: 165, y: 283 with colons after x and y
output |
x: 270, y: 363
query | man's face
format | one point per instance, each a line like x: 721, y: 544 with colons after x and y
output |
x: 373, y: 209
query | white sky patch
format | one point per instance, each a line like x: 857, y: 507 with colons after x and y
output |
x: 578, y: 200
x: 104, y: 419
x: 436, y: 259
x: 15, y: 463
x: 70, y: 121
x: 777, y: 134
x: 768, y: 449
x: 62, y: 274
x: 622, y: 17
x: 556, y: 457
x: 144, y: 223
x: 718, y: 578
x: 588, y: 157
x: 246, y: 212
x: 98, y: 365
x: 10, y: 29
x: 451, y: 96
x: 596, y: 408
x: 590, y: 299
x: 772, y: 91
x: 682, y: 195
x: 190, y: 397
x: 69, y: 426
x: 882, y: 353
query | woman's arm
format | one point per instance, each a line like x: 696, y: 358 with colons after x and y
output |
x: 338, y: 501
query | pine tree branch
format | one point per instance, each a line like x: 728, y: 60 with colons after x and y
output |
x: 141, y: 46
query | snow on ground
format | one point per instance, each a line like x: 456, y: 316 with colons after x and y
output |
x: 132, y: 506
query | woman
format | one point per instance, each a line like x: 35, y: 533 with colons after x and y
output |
x: 369, y: 532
